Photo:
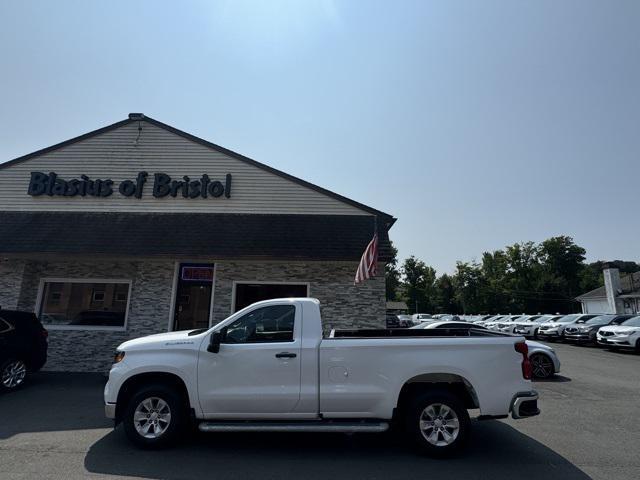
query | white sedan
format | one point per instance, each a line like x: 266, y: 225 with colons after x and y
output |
x: 530, y: 328
x: 625, y: 335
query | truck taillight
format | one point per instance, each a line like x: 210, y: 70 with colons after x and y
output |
x: 522, y: 348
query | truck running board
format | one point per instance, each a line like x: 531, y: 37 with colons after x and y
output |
x: 338, y: 427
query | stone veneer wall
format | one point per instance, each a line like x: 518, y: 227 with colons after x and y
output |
x: 10, y: 280
x: 92, y: 350
x: 343, y: 304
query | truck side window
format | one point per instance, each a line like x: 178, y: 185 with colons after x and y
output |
x: 263, y: 325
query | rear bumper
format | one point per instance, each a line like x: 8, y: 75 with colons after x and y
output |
x: 525, y: 404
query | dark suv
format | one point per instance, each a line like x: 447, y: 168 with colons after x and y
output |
x: 23, y: 347
x: 584, y: 330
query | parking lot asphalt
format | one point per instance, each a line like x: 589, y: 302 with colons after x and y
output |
x: 589, y: 428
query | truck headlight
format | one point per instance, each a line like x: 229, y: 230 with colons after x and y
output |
x: 118, y: 357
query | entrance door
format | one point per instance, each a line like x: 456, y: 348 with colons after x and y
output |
x: 193, y: 296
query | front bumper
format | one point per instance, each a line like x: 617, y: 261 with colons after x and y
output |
x: 578, y: 337
x: 525, y: 332
x: 110, y: 410
x: 623, y: 342
x: 548, y: 333
x: 524, y: 405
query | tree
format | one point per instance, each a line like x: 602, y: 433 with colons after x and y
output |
x: 392, y: 275
x: 563, y: 262
x: 469, y: 283
x: 445, y: 295
x: 418, y: 285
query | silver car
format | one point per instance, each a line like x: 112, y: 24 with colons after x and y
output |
x: 544, y: 361
x: 555, y: 330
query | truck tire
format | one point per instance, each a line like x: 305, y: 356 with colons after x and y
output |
x: 438, y: 423
x: 155, y: 417
x: 13, y: 373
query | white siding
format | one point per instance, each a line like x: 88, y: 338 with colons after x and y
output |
x: 113, y: 155
x: 595, y: 305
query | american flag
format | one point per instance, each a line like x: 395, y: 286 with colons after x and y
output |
x: 369, y: 262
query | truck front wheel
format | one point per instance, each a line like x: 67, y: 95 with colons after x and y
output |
x: 438, y: 423
x: 154, y: 417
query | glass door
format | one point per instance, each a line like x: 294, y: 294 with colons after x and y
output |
x: 193, y: 296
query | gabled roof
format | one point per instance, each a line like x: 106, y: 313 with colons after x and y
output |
x: 386, y: 219
x: 629, y: 284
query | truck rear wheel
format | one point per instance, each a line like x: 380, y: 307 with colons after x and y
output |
x: 438, y: 423
x: 154, y: 417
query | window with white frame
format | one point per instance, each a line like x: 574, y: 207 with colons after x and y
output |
x: 83, y: 303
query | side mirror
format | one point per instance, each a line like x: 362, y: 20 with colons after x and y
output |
x: 214, y: 342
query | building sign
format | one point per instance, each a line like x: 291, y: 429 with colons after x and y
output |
x: 163, y: 185
x: 197, y: 274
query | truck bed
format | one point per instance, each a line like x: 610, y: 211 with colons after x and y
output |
x: 413, y: 333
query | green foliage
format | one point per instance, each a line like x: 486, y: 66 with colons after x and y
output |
x: 521, y: 278
x: 419, y: 279
x: 392, y: 276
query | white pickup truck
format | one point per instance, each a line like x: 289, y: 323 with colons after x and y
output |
x: 268, y: 367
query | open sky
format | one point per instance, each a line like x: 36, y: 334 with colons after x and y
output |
x: 476, y: 123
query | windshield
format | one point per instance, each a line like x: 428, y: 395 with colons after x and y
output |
x: 620, y: 320
x: 541, y: 319
x: 632, y: 322
x: 596, y: 320
x: 567, y: 318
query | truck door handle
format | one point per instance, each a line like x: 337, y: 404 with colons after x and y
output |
x: 285, y: 355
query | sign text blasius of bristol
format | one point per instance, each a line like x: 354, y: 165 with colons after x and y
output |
x: 51, y: 184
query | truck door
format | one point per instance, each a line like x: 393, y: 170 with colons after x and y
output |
x: 256, y: 372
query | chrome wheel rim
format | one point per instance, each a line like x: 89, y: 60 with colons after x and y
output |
x: 439, y: 425
x: 542, y: 366
x: 152, y: 417
x: 14, y: 374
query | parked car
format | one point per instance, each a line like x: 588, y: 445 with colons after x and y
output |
x: 509, y: 325
x: 405, y: 321
x: 625, y: 335
x: 23, y: 347
x: 487, y: 318
x: 531, y: 328
x: 392, y: 320
x: 544, y: 360
x: 584, y: 331
x: 417, y: 318
x: 554, y: 330
x: 496, y: 324
x: 269, y: 367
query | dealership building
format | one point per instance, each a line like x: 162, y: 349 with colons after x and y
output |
x: 140, y: 228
